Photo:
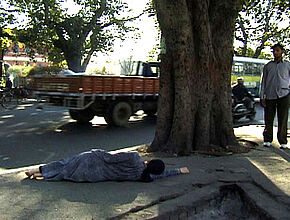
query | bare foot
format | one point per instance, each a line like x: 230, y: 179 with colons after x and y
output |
x: 32, y: 172
x: 184, y: 170
x: 37, y: 175
x: 28, y: 173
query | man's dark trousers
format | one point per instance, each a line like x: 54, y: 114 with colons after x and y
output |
x: 282, y: 106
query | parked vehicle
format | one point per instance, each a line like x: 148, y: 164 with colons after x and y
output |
x: 115, y: 98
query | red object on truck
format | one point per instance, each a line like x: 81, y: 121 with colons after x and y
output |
x: 115, y: 98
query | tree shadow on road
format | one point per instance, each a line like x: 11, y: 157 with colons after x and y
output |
x: 71, y: 138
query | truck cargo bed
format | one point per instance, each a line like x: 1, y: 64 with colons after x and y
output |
x: 98, y: 84
x: 79, y: 92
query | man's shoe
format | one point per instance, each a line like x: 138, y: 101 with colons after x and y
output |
x: 284, y: 146
x: 267, y: 144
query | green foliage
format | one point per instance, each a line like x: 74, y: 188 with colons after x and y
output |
x: 104, y: 70
x: 97, y: 71
x: 73, y: 37
x: 127, y: 66
x: 250, y: 53
x: 259, y: 24
x: 44, y: 71
x: 6, y: 36
x: 6, y: 18
x: 154, y: 54
x: 19, y: 71
x: 94, y: 71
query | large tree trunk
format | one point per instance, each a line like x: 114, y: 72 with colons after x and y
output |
x: 72, y: 53
x: 194, y: 110
x: 1, y: 63
x: 74, y: 61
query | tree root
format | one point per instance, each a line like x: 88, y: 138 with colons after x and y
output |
x: 243, y: 146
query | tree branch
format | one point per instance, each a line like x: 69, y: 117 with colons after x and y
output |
x: 125, y: 20
x: 87, y: 58
x: 91, y: 24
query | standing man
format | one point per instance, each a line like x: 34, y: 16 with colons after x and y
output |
x: 274, y: 94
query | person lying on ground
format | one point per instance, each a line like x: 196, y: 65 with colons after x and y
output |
x: 97, y: 165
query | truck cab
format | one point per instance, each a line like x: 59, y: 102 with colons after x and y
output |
x: 146, y: 69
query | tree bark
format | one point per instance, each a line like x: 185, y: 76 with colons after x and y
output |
x: 73, y: 55
x: 194, y: 109
x: 1, y: 63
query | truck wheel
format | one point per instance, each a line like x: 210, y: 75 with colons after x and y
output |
x: 81, y: 116
x: 119, y: 114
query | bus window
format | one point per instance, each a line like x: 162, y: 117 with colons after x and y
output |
x: 237, y: 68
x: 250, y: 69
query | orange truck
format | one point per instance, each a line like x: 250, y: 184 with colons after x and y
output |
x: 115, y: 98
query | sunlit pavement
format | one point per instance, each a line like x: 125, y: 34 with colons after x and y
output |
x: 262, y: 176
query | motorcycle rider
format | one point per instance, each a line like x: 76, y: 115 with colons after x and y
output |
x: 242, y: 95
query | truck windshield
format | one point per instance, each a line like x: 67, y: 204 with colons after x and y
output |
x: 138, y: 68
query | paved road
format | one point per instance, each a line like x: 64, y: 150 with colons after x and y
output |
x: 32, y: 136
x: 259, y: 119
x: 29, y: 137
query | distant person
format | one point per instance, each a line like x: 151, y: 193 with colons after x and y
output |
x: 97, y: 165
x: 274, y: 95
x: 8, y: 84
x: 242, y: 94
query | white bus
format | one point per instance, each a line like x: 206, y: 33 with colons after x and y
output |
x: 250, y: 69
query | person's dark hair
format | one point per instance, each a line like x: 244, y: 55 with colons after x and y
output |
x: 278, y: 45
x: 155, y: 167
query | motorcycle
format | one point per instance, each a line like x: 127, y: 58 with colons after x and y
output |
x: 240, y: 110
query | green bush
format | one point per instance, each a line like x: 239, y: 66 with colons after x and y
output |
x: 45, y: 71
x: 19, y: 71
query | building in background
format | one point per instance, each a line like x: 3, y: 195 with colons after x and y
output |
x: 19, y: 58
x: 23, y: 56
